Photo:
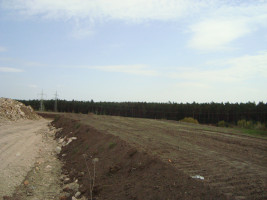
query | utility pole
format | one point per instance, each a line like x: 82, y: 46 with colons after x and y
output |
x: 42, y: 108
x: 56, y: 97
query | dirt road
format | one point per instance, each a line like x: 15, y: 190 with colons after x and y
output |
x: 21, y: 145
x: 232, y: 163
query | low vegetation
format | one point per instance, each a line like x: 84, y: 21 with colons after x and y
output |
x: 77, y: 125
x: 91, y: 175
x: 189, y: 120
x: 222, y: 123
x: 111, y: 145
x: 252, y: 128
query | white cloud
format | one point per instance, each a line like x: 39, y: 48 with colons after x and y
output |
x: 227, y: 71
x: 215, y: 34
x: 231, y: 70
x: 226, y: 23
x: 133, y: 10
x: 214, y: 23
x: 2, y: 49
x: 9, y: 69
x: 128, y: 69
x: 249, y: 66
x: 237, y: 79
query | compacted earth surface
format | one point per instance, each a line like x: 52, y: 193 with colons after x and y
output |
x: 29, y: 168
x: 129, y: 158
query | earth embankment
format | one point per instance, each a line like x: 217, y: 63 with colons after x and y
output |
x: 155, y: 159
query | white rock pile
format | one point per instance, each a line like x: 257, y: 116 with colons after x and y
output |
x: 11, y: 110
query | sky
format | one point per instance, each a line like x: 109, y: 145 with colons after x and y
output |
x: 134, y: 50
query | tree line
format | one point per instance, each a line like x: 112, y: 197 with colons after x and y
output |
x: 208, y: 113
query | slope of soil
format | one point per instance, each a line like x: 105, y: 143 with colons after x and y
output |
x: 233, y: 164
x: 123, y: 171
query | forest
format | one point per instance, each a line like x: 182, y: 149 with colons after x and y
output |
x: 207, y: 113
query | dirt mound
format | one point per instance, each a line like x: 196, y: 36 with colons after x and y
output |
x: 122, y: 171
x: 11, y: 110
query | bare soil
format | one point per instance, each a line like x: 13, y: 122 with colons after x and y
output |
x: 123, y: 172
x: 29, y: 168
x: 156, y: 159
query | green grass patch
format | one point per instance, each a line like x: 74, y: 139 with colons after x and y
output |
x: 77, y: 125
x: 254, y: 132
x: 111, y: 145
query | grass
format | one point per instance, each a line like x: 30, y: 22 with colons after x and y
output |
x: 254, y: 132
x: 77, y: 125
x: 112, y: 145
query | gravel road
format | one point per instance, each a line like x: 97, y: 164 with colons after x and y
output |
x: 20, y: 145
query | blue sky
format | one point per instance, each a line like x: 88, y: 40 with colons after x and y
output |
x: 134, y: 50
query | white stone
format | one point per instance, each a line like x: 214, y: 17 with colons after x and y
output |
x: 58, y: 149
x: 60, y: 140
x: 77, y: 194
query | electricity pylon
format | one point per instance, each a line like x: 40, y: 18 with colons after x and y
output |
x: 42, y: 108
x: 56, y: 96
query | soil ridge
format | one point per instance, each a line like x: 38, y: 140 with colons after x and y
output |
x: 122, y: 171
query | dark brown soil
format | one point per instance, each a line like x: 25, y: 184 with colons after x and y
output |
x: 124, y: 171
x: 232, y: 163
x: 49, y: 115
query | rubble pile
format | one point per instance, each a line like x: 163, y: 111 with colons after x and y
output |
x: 11, y: 110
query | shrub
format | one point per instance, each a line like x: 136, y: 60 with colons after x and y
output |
x: 222, y: 123
x: 245, y: 124
x: 189, y: 120
x: 241, y: 123
x: 249, y: 124
x: 260, y: 126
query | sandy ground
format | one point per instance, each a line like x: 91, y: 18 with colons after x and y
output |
x: 26, y: 148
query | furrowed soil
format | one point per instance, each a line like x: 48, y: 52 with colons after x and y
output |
x: 156, y: 159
